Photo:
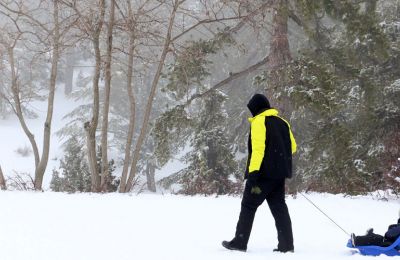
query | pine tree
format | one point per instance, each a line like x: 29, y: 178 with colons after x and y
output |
x: 56, y: 182
x: 73, y: 174
x: 112, y: 182
x: 337, y: 84
x: 212, y: 168
x: 208, y: 170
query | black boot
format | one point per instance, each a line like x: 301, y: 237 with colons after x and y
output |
x: 353, y: 239
x: 233, y: 245
x: 284, y: 250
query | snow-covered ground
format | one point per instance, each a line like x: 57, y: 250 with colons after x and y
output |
x: 118, y: 226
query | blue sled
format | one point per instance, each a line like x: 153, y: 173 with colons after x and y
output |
x: 392, y: 250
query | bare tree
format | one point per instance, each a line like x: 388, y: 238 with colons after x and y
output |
x: 126, y: 183
x: 9, y: 41
x: 130, y: 23
x: 51, y: 41
x: 136, y: 23
x: 91, y: 18
x: 106, y: 105
x: 55, y: 33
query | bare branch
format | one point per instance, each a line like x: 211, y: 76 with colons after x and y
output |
x: 229, y: 79
x: 21, y: 13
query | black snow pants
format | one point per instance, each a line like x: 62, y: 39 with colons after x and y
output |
x: 273, y: 191
x: 371, y: 240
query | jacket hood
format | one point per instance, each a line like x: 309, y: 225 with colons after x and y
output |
x: 258, y: 103
x: 268, y: 112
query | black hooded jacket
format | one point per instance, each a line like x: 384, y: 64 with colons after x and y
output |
x: 393, y: 232
x: 271, y: 142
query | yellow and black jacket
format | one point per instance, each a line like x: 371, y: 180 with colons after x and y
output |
x: 271, y: 145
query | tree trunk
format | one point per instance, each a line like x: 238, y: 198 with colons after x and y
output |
x: 91, y: 127
x: 2, y: 104
x: 149, y: 104
x: 279, y: 54
x: 106, y: 105
x: 131, y: 128
x: 91, y: 153
x: 69, y: 72
x: 3, y: 185
x: 40, y: 170
x: 150, y: 176
x: 18, y: 107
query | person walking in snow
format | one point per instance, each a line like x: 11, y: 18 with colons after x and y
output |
x: 271, y: 145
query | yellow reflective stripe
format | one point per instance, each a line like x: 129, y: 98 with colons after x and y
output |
x: 292, y: 140
x: 258, y: 135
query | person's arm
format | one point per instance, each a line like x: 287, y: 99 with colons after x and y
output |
x: 393, y: 233
x: 258, y: 136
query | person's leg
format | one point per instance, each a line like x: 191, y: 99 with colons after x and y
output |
x: 280, y: 212
x: 369, y: 240
x: 250, y: 203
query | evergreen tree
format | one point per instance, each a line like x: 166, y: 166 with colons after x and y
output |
x: 337, y: 84
x: 112, y: 182
x: 73, y: 174
x: 56, y: 182
x: 212, y: 168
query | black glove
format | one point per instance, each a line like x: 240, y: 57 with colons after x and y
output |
x: 370, y: 231
x: 252, y: 179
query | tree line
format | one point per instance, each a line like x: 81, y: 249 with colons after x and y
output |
x: 170, y: 74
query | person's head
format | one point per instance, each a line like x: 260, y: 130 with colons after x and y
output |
x: 258, y: 103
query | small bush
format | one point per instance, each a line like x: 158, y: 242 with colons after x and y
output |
x: 20, y: 181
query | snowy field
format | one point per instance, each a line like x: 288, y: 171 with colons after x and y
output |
x: 52, y: 226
